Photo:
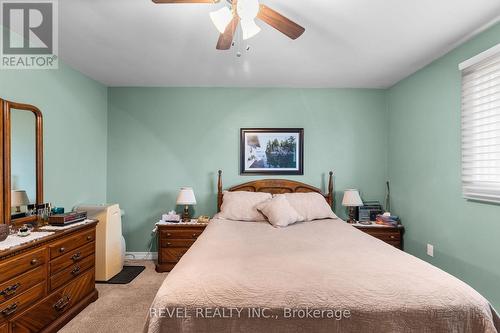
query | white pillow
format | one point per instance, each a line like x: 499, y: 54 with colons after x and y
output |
x: 241, y: 206
x: 279, y: 212
x: 311, y: 205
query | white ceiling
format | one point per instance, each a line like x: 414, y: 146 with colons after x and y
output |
x: 347, y: 43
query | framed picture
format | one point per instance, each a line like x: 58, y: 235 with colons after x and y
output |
x: 277, y: 151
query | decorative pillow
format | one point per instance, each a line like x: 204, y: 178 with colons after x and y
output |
x: 241, y: 206
x: 311, y: 205
x: 279, y: 212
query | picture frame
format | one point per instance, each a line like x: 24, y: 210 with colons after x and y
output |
x: 272, y: 151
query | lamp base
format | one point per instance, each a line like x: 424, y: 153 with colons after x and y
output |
x: 186, y: 217
x: 352, y: 213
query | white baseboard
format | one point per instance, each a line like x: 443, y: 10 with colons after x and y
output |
x: 141, y: 255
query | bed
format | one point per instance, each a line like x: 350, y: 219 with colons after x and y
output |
x: 319, y: 276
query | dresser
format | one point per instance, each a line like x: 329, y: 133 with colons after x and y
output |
x: 392, y: 235
x: 45, y: 283
x: 174, y: 239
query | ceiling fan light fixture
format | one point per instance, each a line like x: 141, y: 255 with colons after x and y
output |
x: 221, y: 18
x: 247, y: 9
x: 249, y: 28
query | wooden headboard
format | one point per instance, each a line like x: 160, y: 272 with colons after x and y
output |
x: 275, y: 186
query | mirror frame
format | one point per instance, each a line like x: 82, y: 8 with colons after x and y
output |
x: 6, y: 108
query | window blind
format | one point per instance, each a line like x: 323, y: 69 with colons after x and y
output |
x: 481, y: 128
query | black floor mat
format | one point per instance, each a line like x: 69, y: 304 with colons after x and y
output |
x: 127, y: 274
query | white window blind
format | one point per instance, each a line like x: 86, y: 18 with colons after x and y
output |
x: 481, y: 126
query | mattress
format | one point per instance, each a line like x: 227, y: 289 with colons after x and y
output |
x: 320, y: 276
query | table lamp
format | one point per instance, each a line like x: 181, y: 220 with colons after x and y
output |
x: 186, y: 197
x: 351, y: 200
x: 19, y: 198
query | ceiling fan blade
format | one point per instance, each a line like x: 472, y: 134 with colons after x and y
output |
x: 225, y: 39
x: 279, y: 22
x: 185, y: 1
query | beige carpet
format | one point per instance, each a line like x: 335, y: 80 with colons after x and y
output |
x: 121, y: 307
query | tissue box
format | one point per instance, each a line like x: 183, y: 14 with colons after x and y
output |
x: 171, y: 217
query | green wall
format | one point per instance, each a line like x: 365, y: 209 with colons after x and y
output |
x: 163, y: 138
x: 74, y: 111
x: 424, y: 169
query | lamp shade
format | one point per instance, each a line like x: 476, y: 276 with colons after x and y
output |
x: 186, y: 196
x: 19, y: 198
x: 221, y: 18
x: 351, y: 198
x: 249, y: 28
x: 247, y: 9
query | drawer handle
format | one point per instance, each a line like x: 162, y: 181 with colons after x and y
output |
x: 77, y: 256
x: 10, y: 309
x: 34, y: 261
x: 62, y: 249
x: 76, y: 270
x: 169, y: 244
x: 62, y: 303
x: 392, y: 237
x: 169, y: 234
x: 11, y: 290
x: 195, y: 235
x: 89, y: 238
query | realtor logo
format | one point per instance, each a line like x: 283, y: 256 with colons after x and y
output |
x: 29, y: 34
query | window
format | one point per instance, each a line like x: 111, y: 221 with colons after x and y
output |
x: 481, y: 126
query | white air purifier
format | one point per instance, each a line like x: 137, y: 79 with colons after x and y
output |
x: 110, y: 244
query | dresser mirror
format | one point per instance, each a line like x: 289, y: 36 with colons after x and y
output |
x: 23, y: 162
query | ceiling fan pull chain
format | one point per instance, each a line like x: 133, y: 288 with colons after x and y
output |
x: 238, y: 38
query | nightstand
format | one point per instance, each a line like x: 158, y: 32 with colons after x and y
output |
x: 174, y: 239
x: 392, y: 235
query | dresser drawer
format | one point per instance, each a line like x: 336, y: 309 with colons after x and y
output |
x: 15, y: 305
x: 21, y: 283
x: 173, y: 254
x: 22, y: 263
x: 71, y: 272
x: 55, y: 305
x: 4, y: 328
x: 70, y: 258
x: 71, y: 243
x: 191, y: 233
x: 176, y: 242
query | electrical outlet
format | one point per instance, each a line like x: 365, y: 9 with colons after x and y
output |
x: 430, y: 250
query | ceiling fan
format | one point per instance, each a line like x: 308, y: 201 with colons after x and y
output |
x: 245, y: 12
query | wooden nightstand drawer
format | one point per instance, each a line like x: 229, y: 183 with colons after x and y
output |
x: 396, y: 244
x: 390, y: 235
x: 176, y: 242
x: 385, y: 236
x: 191, y: 233
x: 173, y: 254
